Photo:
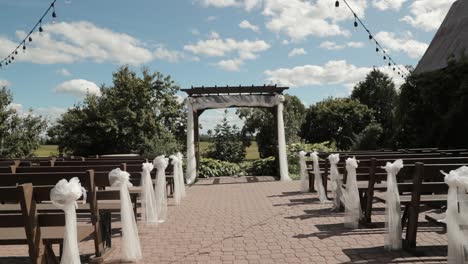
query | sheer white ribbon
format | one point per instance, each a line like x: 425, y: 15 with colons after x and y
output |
x: 318, y: 178
x: 175, y: 161
x: 191, y: 159
x: 336, y: 180
x: 181, y: 174
x: 351, y: 196
x: 130, y: 248
x: 393, y: 207
x: 457, y: 215
x: 303, y: 171
x: 148, y: 198
x: 64, y: 196
x: 161, y: 193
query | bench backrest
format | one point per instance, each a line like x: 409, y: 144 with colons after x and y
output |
x: 90, y: 163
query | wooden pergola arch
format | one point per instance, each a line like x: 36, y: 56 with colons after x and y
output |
x: 204, y: 98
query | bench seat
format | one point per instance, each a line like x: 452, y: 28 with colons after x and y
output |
x: 50, y: 235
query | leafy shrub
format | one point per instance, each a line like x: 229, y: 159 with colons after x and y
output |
x: 368, y: 139
x: 217, y: 168
x: 263, y: 167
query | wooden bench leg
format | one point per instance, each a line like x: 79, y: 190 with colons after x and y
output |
x: 105, y: 221
x: 412, y: 228
x: 311, y: 182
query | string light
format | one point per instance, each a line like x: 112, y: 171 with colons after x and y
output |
x: 378, y: 47
x: 10, y: 57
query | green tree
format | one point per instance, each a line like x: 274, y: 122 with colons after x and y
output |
x: 260, y: 122
x: 378, y: 92
x: 227, y: 142
x: 336, y: 119
x: 20, y: 135
x: 135, y: 115
x: 432, y: 108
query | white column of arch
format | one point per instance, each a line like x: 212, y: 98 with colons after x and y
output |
x: 283, y: 159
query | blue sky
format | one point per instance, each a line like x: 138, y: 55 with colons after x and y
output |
x: 308, y: 45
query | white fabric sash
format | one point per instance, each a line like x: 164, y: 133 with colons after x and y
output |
x: 393, y: 208
x: 318, y: 178
x: 130, y: 248
x: 336, y: 180
x: 303, y: 171
x: 181, y: 174
x: 64, y: 196
x: 457, y: 214
x: 177, y: 193
x: 148, y: 198
x: 351, y: 196
x: 160, y: 189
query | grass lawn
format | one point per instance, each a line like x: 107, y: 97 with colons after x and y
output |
x: 250, y: 152
x: 46, y: 151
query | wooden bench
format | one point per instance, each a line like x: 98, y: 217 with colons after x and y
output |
x: 50, y: 219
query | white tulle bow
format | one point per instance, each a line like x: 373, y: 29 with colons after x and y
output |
x: 130, y: 249
x: 318, y: 178
x: 148, y: 198
x: 393, y: 208
x: 175, y: 161
x: 161, y: 164
x: 64, y: 195
x: 336, y: 180
x: 351, y: 199
x: 457, y: 214
x: 303, y: 171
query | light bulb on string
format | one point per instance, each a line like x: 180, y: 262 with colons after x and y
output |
x: 355, y: 21
x: 54, y: 15
x: 30, y: 39
x: 376, y: 49
x: 384, y: 57
x: 40, y: 27
x: 24, y: 47
x: 337, y: 3
x: 389, y: 64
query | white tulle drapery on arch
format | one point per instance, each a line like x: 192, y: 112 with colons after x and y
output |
x: 148, y: 197
x: 303, y: 171
x: 351, y: 199
x: 161, y: 164
x: 318, y: 182
x: 224, y: 101
x: 393, y: 208
x: 130, y: 248
x: 64, y: 196
x: 457, y: 215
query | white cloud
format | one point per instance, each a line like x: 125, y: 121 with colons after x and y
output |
x: 297, y: 52
x: 211, y: 18
x: 332, y: 73
x: 353, y: 44
x: 428, y: 14
x: 285, y: 42
x: 4, y: 83
x: 162, y: 53
x: 246, y: 4
x: 246, y: 49
x: 78, y: 88
x: 195, y: 32
x: 246, y: 25
x: 299, y: 19
x: 213, y: 35
x: 330, y: 45
x: 413, y: 48
x: 230, y: 65
x: 387, y: 4
x: 64, y: 72
x: 75, y: 41
x: 51, y: 113
x: 17, y: 107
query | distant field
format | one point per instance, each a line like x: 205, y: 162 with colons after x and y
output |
x: 51, y: 150
x: 250, y: 153
x: 46, y: 151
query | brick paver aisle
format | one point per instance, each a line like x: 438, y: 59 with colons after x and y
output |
x: 257, y: 220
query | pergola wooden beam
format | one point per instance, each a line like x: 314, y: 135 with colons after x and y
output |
x: 265, y: 89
